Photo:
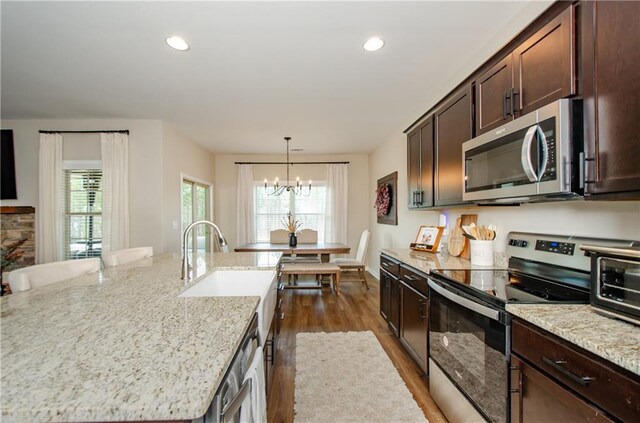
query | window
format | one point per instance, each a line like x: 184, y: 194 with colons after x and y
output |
x: 270, y: 209
x: 82, y: 213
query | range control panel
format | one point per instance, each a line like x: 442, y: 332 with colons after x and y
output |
x: 555, y: 247
x: 559, y: 250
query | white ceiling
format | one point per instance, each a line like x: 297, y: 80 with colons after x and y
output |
x: 256, y: 71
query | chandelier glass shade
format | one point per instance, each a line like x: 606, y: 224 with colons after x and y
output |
x: 298, y: 188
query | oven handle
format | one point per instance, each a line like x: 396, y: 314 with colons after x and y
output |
x: 525, y: 154
x: 471, y: 305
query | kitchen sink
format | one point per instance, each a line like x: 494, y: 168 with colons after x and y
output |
x: 242, y: 283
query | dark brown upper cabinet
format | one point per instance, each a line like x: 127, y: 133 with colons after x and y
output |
x: 538, y: 71
x: 611, y: 59
x: 420, y: 165
x: 453, y: 124
x: 492, y: 89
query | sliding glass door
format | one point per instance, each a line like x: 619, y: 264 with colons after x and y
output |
x: 196, y: 205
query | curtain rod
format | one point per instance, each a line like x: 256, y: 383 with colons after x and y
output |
x: 119, y: 131
x: 292, y: 163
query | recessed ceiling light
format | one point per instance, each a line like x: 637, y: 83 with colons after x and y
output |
x: 373, y: 44
x: 177, y: 43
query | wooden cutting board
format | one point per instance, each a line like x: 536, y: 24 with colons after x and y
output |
x: 456, y: 242
x: 466, y: 220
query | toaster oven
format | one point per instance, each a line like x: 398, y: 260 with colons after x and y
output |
x: 615, y: 281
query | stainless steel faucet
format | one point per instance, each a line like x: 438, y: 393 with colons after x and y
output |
x: 185, y: 243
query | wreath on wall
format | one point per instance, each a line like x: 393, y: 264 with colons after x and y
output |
x: 383, y: 200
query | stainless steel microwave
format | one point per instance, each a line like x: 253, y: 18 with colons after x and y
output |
x: 535, y: 157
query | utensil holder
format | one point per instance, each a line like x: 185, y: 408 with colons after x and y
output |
x: 481, y: 252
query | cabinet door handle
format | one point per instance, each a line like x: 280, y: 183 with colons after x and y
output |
x: 271, y: 357
x: 422, y: 315
x: 410, y: 278
x: 558, y: 365
x: 504, y: 105
x: 385, y: 264
x: 512, y: 101
x: 516, y: 406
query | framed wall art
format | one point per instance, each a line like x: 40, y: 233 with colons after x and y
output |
x: 386, y: 204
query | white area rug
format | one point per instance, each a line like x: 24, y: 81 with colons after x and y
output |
x: 346, y: 377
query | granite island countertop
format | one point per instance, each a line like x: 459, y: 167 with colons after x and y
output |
x: 120, y: 344
x: 611, y: 339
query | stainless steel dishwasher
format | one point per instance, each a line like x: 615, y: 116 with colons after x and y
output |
x: 234, y: 391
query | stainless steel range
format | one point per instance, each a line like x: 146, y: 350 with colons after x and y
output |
x: 469, y: 329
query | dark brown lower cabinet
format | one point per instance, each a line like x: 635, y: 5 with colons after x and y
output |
x: 537, y: 398
x: 414, y: 327
x: 394, y: 305
x: 555, y: 380
x: 390, y: 292
x: 390, y: 300
x: 385, y: 294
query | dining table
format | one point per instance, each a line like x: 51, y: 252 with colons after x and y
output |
x: 324, y: 249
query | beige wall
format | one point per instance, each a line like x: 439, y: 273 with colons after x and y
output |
x: 181, y: 157
x: 605, y: 219
x: 145, y: 168
x: 226, y: 180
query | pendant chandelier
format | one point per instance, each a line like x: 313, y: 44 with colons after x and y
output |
x: 297, y: 189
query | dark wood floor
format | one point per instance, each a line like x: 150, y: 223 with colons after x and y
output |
x: 356, y: 309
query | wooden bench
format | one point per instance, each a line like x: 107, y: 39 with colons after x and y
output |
x: 313, y: 269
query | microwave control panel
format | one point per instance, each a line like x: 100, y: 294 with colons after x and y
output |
x: 556, y: 247
x: 548, y: 128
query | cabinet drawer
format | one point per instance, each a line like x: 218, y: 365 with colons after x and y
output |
x: 613, y: 389
x: 414, y: 280
x: 390, y: 265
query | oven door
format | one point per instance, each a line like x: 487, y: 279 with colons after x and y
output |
x: 467, y: 342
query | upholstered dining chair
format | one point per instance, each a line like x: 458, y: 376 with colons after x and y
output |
x: 40, y: 275
x: 307, y: 236
x: 279, y: 236
x: 359, y: 262
x: 118, y: 257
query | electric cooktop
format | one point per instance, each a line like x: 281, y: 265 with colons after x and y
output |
x: 503, y: 286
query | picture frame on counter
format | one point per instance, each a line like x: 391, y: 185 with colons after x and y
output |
x: 428, y: 239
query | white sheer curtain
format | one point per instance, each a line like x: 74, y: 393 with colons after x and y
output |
x: 245, y: 225
x: 50, y: 202
x: 115, y: 191
x: 335, y: 227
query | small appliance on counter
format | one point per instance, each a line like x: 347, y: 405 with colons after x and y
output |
x: 615, y: 281
x: 470, y: 330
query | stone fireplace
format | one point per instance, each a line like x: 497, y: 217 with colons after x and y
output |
x: 16, y: 224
